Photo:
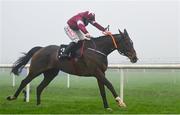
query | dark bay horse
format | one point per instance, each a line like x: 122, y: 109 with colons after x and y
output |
x: 93, y: 62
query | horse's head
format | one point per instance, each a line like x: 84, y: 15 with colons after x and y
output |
x: 126, y: 47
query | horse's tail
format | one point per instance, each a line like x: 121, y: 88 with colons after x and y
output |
x: 22, y: 61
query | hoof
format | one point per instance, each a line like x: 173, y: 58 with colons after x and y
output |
x: 121, y: 104
x: 10, y: 98
x: 109, y: 109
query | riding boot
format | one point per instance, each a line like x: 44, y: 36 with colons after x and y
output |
x: 69, y: 48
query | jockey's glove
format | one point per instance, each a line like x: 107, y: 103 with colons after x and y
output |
x: 87, y: 35
x: 106, y: 32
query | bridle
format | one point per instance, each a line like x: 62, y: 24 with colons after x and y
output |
x: 114, y: 41
x: 112, y: 37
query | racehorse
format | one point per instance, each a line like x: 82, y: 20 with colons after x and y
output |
x: 91, y: 61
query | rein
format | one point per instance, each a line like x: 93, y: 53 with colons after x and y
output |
x: 112, y: 37
x: 82, y: 49
x: 113, y: 40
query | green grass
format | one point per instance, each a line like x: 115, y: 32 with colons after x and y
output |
x: 154, y: 91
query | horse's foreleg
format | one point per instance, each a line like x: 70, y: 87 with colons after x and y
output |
x: 108, y: 84
x: 103, y: 93
x: 111, y: 88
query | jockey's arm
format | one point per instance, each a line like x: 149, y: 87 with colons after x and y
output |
x: 94, y: 23
x: 81, y: 26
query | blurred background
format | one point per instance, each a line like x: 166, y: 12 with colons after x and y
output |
x: 153, y: 25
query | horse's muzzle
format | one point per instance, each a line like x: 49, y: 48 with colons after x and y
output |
x: 134, y: 59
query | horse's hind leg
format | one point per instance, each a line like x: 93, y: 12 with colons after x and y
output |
x: 24, y: 82
x: 48, y: 77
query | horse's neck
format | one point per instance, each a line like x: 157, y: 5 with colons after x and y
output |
x: 105, y: 44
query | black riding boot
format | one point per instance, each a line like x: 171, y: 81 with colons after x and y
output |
x: 69, y: 48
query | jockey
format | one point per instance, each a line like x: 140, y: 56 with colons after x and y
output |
x: 76, y: 29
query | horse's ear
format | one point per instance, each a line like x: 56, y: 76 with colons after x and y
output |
x: 120, y: 32
x: 125, y: 32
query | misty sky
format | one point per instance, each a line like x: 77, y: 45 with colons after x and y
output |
x: 154, y: 26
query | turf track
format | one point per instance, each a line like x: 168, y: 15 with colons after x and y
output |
x: 155, y: 91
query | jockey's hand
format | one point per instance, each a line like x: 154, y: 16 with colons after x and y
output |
x: 88, y: 36
x: 106, y: 32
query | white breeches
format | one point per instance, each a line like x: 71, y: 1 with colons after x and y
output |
x: 74, y: 35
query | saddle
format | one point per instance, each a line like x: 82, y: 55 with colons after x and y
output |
x: 75, y: 53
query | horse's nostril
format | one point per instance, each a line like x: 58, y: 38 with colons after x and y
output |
x: 134, y: 60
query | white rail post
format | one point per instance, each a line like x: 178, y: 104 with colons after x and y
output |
x: 144, y: 70
x: 122, y: 84
x: 27, y: 88
x: 13, y: 80
x: 68, y: 81
x: 126, y: 78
